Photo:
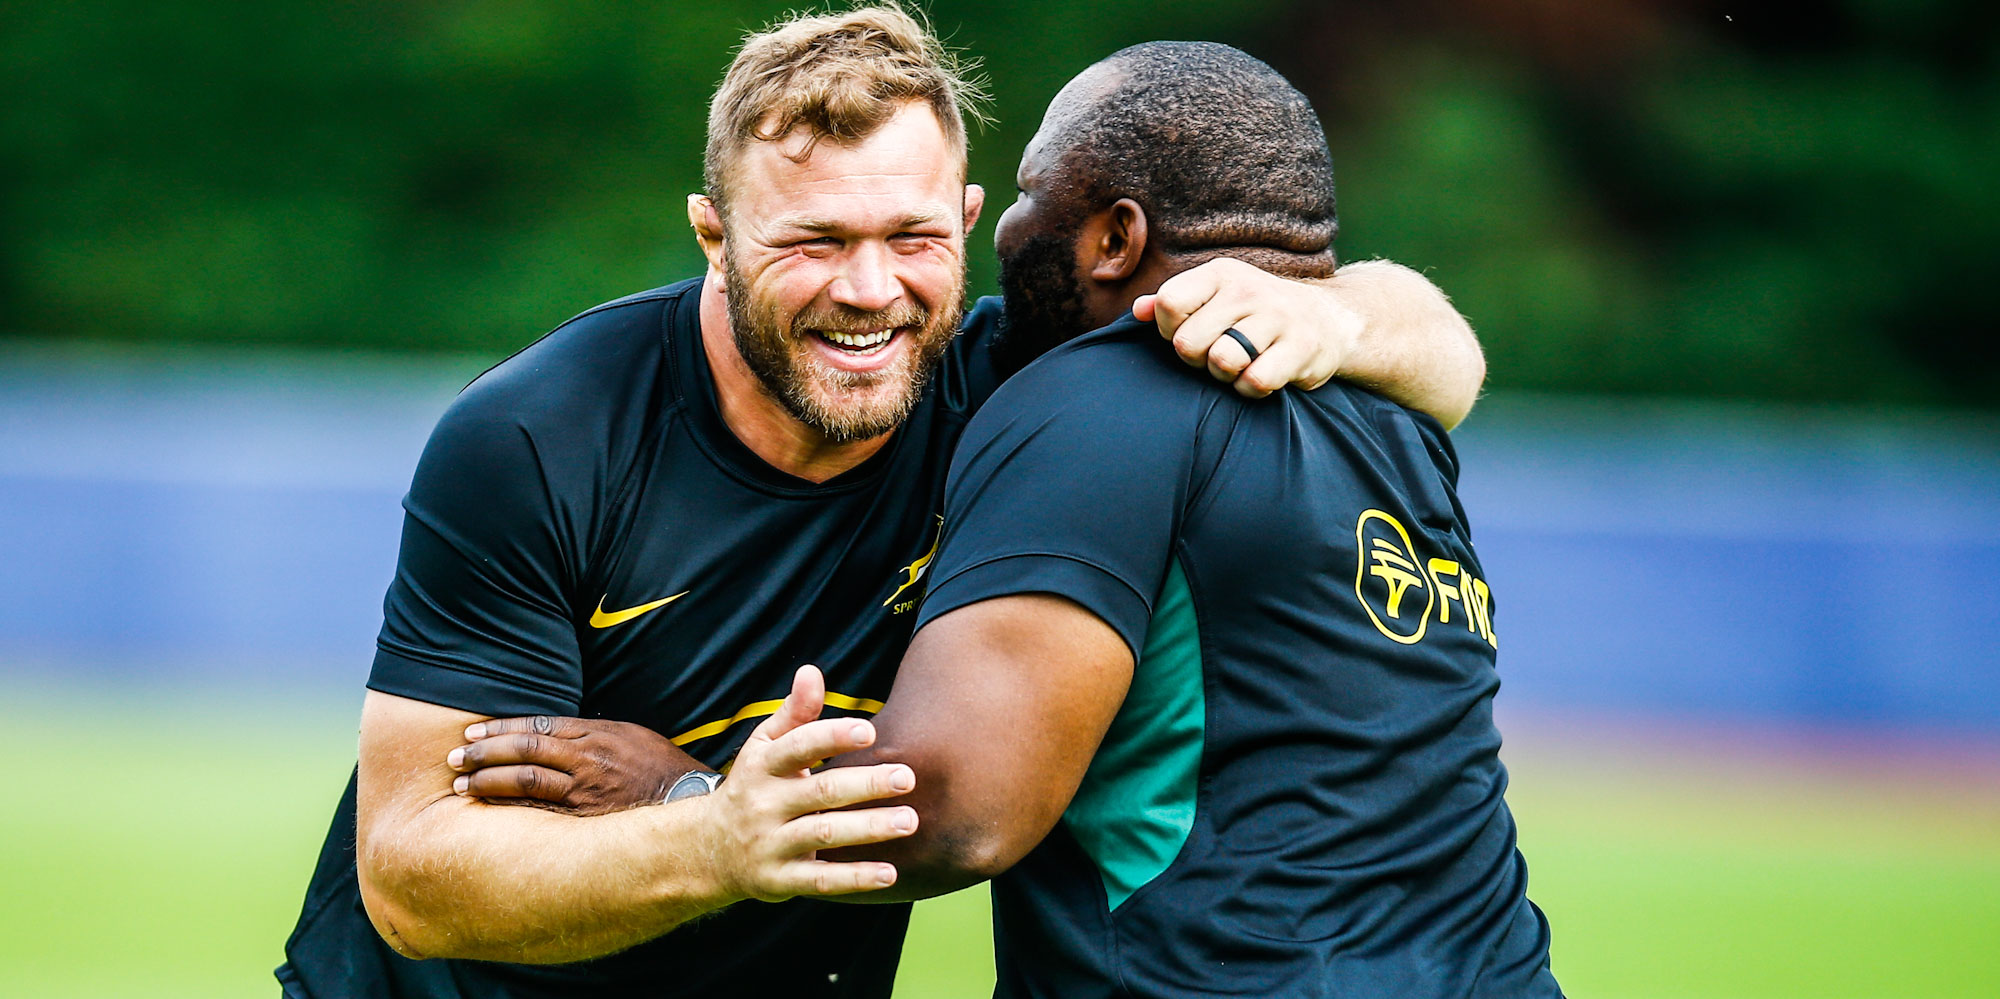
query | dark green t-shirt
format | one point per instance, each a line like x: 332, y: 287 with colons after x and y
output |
x: 1301, y: 794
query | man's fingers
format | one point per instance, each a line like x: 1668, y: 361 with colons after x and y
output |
x: 520, y: 747
x: 1200, y: 336
x: 822, y: 877
x: 540, y: 783
x: 1227, y: 357
x: 803, y: 704
x: 1211, y: 297
x: 1286, y: 362
x: 1195, y: 339
x: 840, y: 787
x: 804, y: 747
x: 832, y: 830
x: 552, y: 725
x: 1184, y: 294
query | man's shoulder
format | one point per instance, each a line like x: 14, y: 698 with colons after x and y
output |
x: 1120, y: 387
x: 587, y: 389
x: 601, y: 342
x: 591, y: 361
x: 1128, y: 337
x: 1363, y: 412
x: 1127, y: 362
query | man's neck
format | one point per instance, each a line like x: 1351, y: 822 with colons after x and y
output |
x: 759, y: 421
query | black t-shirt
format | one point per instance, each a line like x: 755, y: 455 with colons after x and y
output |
x: 1301, y: 794
x: 586, y: 537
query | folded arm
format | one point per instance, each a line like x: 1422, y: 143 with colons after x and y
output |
x: 1000, y: 705
x: 449, y: 875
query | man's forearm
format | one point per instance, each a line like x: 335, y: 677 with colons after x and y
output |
x: 468, y: 879
x: 445, y: 875
x: 449, y: 875
x: 1414, y: 346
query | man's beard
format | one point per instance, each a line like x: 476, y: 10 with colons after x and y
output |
x: 1044, y: 300
x: 844, y: 406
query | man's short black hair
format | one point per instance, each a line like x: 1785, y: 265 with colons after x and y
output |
x: 1220, y: 150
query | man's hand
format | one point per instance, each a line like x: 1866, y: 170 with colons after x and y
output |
x: 449, y: 875
x: 1375, y: 323
x: 776, y: 813
x: 584, y: 766
x: 1302, y: 332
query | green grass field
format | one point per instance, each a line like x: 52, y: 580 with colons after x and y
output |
x: 159, y: 848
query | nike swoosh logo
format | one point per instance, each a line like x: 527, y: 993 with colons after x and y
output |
x: 600, y: 618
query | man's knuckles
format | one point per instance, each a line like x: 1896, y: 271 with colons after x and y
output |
x: 815, y: 741
x: 826, y: 879
x: 518, y: 747
x: 828, y: 791
x: 1192, y: 346
x: 825, y: 831
x: 1259, y: 382
x: 518, y: 782
x: 529, y: 781
x: 830, y: 830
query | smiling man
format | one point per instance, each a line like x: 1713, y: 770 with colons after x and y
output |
x: 842, y: 332
x: 655, y: 512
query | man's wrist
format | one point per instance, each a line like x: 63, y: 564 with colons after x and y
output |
x: 1345, y: 319
x: 710, y: 876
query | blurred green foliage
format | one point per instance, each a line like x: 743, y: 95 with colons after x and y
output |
x: 1624, y: 195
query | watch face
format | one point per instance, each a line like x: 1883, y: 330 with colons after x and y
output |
x: 693, y: 784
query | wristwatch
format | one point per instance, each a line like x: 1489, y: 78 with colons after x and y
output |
x: 693, y: 784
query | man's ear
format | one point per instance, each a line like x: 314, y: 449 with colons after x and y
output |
x: 975, y: 201
x: 1115, y: 242
x: 707, y: 223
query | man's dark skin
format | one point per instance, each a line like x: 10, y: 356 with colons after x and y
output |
x: 998, y: 706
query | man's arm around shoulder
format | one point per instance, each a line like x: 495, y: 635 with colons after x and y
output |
x: 1375, y: 323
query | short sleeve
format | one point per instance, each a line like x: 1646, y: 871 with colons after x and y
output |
x: 1071, y: 481
x: 478, y: 616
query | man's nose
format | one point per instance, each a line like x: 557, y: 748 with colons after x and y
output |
x: 867, y: 278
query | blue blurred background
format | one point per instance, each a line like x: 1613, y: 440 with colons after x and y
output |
x: 232, y: 518
x: 1735, y: 488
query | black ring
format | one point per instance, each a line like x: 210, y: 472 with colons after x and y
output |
x: 1237, y: 335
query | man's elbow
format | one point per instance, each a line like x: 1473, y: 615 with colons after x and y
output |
x: 407, y: 892
x: 986, y: 854
x: 1476, y: 379
x: 392, y: 918
x: 954, y: 858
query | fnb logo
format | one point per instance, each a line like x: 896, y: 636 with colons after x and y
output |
x: 1399, y: 588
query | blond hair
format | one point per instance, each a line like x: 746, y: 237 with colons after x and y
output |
x: 838, y: 75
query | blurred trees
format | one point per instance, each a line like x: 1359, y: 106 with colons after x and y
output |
x: 1625, y: 195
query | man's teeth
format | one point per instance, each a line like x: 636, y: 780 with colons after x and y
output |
x: 859, y: 341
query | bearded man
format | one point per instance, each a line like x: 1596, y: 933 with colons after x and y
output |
x: 658, y: 510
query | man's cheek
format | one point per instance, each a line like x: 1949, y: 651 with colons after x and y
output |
x: 940, y: 277
x: 792, y: 280
x: 941, y: 264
